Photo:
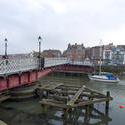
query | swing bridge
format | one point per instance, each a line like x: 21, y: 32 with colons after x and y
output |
x: 15, y: 72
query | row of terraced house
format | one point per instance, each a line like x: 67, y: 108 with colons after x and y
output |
x: 109, y: 54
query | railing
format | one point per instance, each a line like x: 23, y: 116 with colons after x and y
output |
x: 84, y: 63
x: 49, y: 62
x: 10, y: 66
x: 16, y: 65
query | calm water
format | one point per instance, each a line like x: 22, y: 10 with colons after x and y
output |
x: 29, y: 112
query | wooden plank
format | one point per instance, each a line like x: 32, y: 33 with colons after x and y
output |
x: 74, y: 86
x: 75, y: 97
x: 63, y: 98
x: 91, y: 102
x: 49, y: 86
x: 53, y: 86
x: 52, y: 100
x: 51, y: 103
x: 73, y: 92
x: 68, y: 88
x: 94, y: 91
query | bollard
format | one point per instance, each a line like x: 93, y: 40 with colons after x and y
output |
x: 107, y: 103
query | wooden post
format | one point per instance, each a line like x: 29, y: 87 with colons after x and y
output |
x: 65, y: 112
x: 70, y: 114
x: 19, y: 79
x: 107, y: 103
x: 47, y: 94
x: 86, y: 119
x: 45, y: 108
x: 90, y: 97
x: 87, y: 109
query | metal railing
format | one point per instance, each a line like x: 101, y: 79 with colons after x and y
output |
x: 49, y: 62
x: 84, y: 63
x: 17, y: 65
x: 10, y: 66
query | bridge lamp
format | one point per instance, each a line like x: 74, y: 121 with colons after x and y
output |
x: 39, y: 40
x: 6, y: 47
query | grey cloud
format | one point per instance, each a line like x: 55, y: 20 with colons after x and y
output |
x: 22, y: 22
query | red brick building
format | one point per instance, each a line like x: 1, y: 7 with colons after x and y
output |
x: 75, y: 52
x: 51, y: 53
x: 95, y: 52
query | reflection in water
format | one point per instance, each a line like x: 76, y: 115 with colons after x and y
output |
x: 17, y: 117
x: 29, y: 112
x: 82, y: 117
x: 75, y: 116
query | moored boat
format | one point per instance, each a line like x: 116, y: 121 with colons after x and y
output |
x: 104, y: 78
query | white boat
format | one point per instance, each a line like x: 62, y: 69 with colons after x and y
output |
x: 104, y: 77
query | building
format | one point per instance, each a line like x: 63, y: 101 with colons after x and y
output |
x: 51, y: 53
x: 75, y: 52
x: 88, y: 53
x: 114, y: 55
x: 17, y: 56
x: 118, y: 55
x: 122, y: 47
x: 96, y: 53
x: 107, y: 53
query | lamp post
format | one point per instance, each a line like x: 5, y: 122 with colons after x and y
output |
x: 39, y: 40
x: 5, y: 56
x: 6, y: 47
x: 39, y: 56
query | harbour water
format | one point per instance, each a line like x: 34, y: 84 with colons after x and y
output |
x: 29, y: 112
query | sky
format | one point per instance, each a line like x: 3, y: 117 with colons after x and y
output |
x: 60, y: 22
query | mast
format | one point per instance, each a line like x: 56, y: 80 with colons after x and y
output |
x: 100, y: 54
x: 100, y: 66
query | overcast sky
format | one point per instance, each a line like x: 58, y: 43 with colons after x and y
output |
x: 60, y: 22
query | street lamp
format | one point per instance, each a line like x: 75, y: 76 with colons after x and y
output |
x: 6, y: 47
x: 5, y: 56
x: 39, y: 56
x: 39, y: 40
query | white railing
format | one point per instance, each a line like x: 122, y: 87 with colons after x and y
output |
x: 49, y: 62
x: 18, y: 64
x: 8, y: 66
x: 84, y: 63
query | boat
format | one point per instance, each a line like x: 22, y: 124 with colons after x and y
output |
x: 104, y: 77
